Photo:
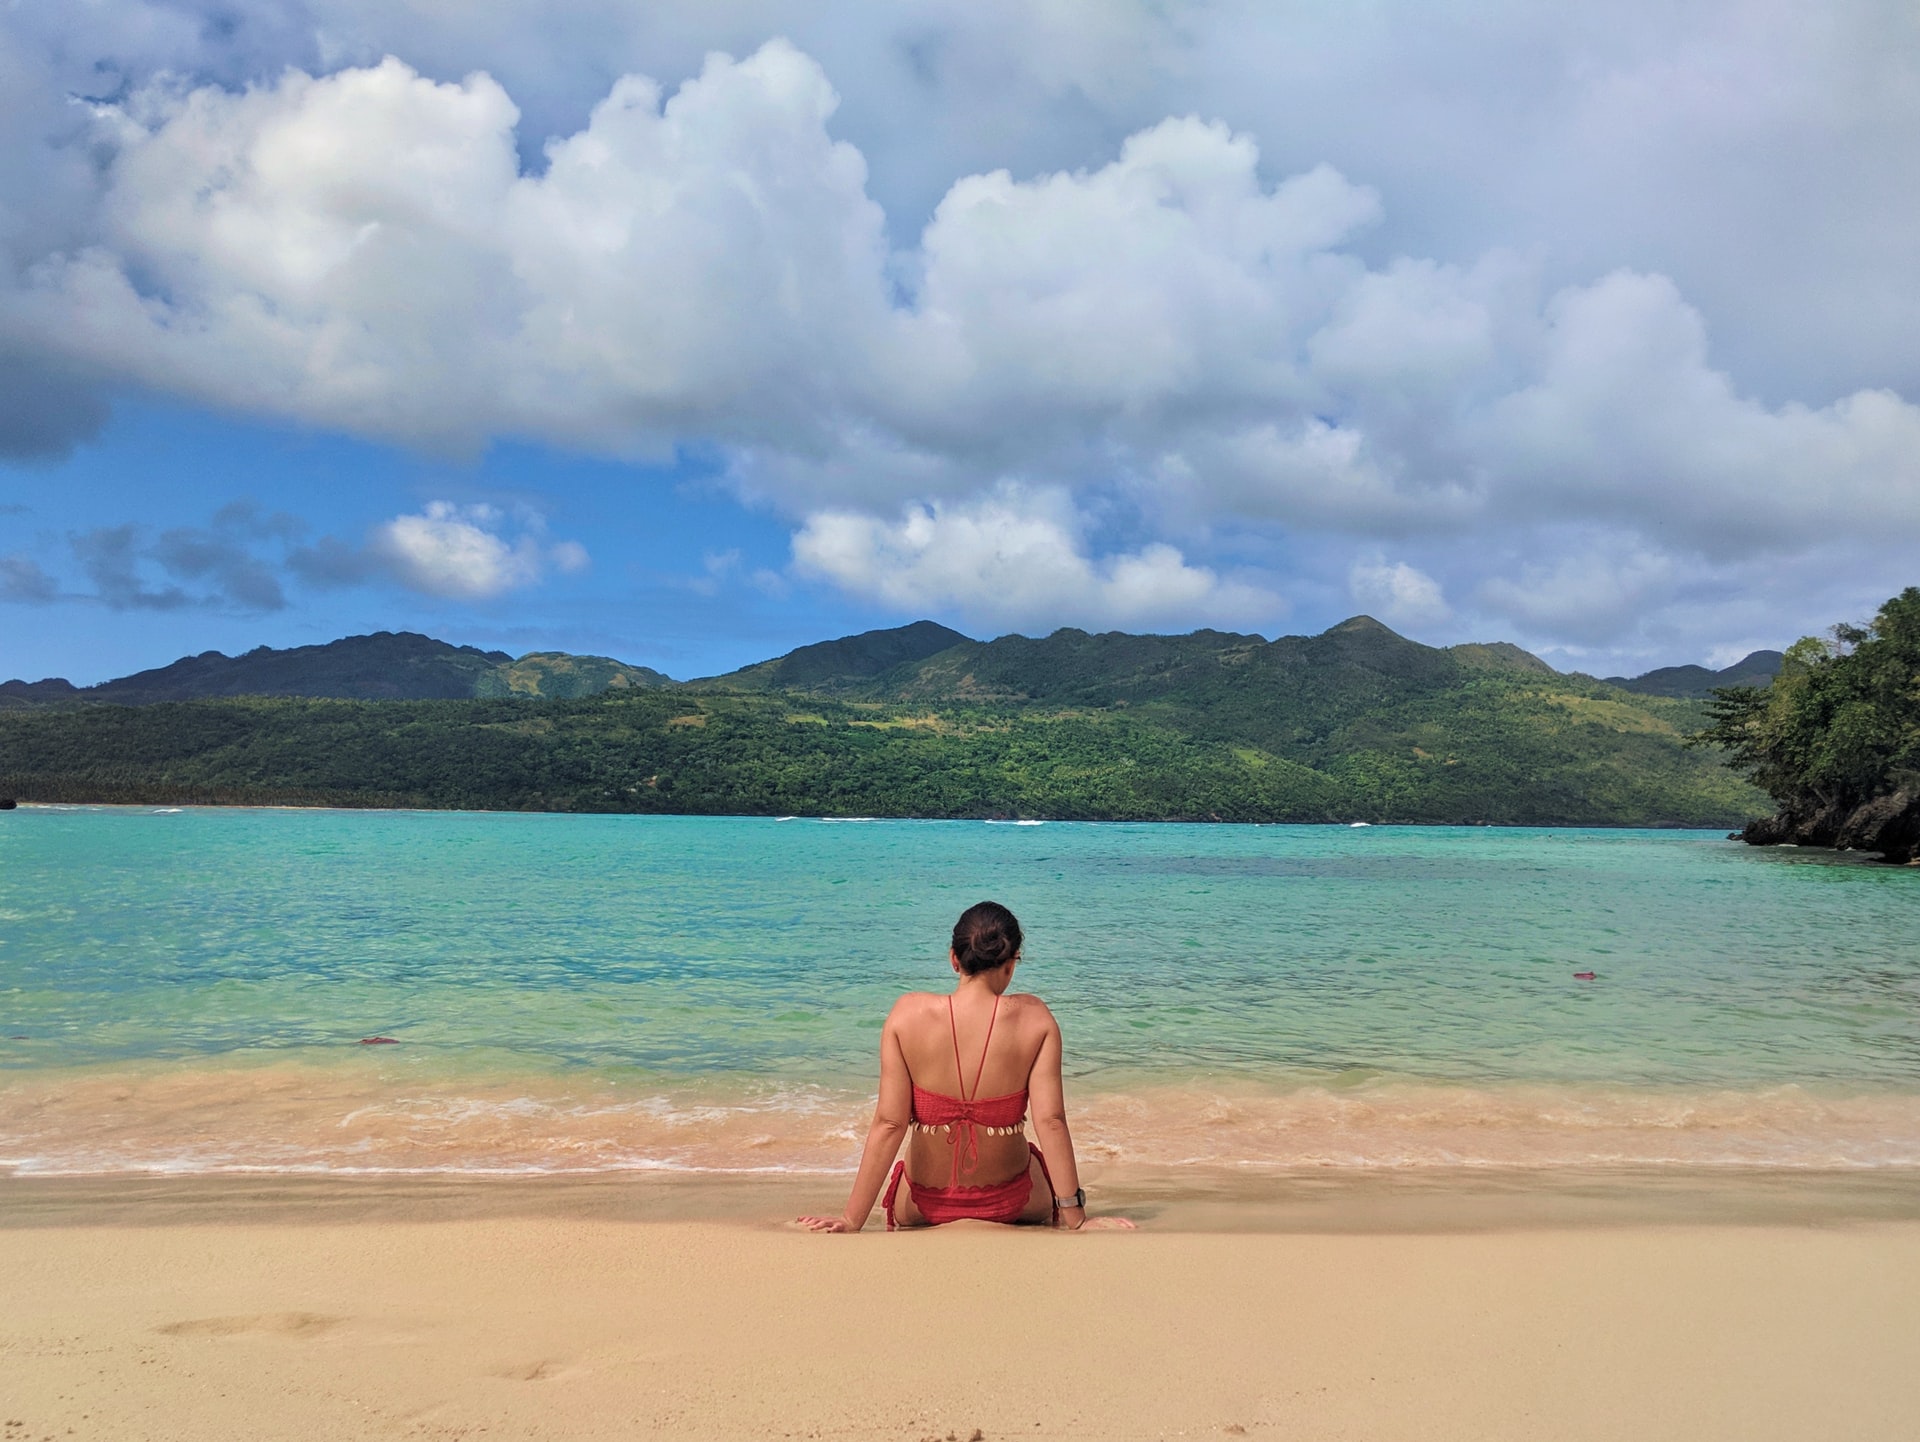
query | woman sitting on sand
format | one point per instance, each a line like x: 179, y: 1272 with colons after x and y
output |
x: 967, y: 1151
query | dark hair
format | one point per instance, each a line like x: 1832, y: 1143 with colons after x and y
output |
x: 986, y: 936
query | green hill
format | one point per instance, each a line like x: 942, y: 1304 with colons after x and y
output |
x: 557, y: 676
x: 1757, y: 668
x: 386, y: 666
x: 1357, y: 723
x: 850, y: 660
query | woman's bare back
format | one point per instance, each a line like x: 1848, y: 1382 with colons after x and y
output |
x: 995, y: 1065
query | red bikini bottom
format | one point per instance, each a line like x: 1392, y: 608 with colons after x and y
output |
x: 1003, y: 1202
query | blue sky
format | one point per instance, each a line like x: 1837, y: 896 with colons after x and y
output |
x: 671, y: 582
x: 690, y: 333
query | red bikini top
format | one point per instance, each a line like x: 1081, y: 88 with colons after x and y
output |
x: 931, y: 1109
x: 964, y: 1116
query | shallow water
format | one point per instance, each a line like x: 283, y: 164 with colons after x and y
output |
x: 186, y: 991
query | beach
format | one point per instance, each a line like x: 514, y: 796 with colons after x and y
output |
x: 644, y: 638
x: 253, y: 1309
x: 433, y: 1125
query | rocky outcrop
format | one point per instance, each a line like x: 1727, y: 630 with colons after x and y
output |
x: 1887, y: 824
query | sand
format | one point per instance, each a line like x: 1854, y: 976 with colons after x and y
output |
x: 258, y: 1318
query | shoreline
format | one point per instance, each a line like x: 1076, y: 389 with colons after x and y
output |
x: 424, y: 1109
x: 1718, y: 830
x: 1185, y: 1201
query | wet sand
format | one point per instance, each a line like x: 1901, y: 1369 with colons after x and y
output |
x: 1441, y: 1308
x: 1414, y: 1200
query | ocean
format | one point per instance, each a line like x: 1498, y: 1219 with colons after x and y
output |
x: 193, y: 991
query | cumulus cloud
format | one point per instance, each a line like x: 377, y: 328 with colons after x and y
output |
x: 445, y: 553
x: 1397, y: 593
x: 1014, y: 555
x: 1586, y: 596
x: 360, y: 250
x: 242, y: 560
x: 1657, y: 136
x: 1626, y: 421
x: 458, y: 553
x: 1157, y: 331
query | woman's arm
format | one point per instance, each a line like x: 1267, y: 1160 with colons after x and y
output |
x: 1046, y: 1094
x: 890, y: 1116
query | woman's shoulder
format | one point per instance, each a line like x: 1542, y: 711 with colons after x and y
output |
x: 913, y: 1002
x: 1028, y: 1007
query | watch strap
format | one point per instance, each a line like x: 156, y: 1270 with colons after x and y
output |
x: 1076, y: 1198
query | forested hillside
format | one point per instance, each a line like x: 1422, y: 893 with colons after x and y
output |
x: 1835, y: 738
x: 386, y: 666
x: 1355, y: 724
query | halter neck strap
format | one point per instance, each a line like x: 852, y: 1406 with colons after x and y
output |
x: 959, y: 1068
x: 967, y: 1146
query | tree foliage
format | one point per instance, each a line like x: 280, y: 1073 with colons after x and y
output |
x: 1840, y: 726
x: 1312, y: 744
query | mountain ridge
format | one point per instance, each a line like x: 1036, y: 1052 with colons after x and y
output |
x: 1756, y: 668
x: 867, y: 654
x: 1356, y: 723
x: 921, y: 660
x: 379, y: 666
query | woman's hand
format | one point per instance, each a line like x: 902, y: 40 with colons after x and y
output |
x: 826, y: 1224
x: 1075, y: 1219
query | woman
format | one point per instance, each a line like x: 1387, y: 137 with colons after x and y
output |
x: 957, y: 1076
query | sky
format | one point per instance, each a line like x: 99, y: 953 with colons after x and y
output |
x: 688, y: 333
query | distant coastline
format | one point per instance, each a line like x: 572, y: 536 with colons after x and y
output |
x: 149, y: 805
x: 1356, y: 724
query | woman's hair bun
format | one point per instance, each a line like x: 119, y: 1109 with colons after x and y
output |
x: 986, y: 936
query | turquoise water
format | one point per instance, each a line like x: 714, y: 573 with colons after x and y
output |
x: 204, y: 976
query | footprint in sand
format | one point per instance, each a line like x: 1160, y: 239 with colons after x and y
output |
x: 276, y: 1324
x: 543, y: 1371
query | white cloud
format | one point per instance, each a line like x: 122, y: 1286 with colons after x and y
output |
x: 363, y: 251
x: 1166, y: 281
x: 1202, y: 332
x: 456, y: 552
x: 1396, y: 593
x: 719, y: 567
x: 1648, y: 134
x: 570, y: 558
x: 1586, y: 596
x: 1626, y: 421
x: 1015, y: 558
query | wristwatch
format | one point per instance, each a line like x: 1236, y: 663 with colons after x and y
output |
x: 1077, y: 1199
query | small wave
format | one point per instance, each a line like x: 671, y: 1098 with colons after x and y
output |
x: 316, y: 1119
